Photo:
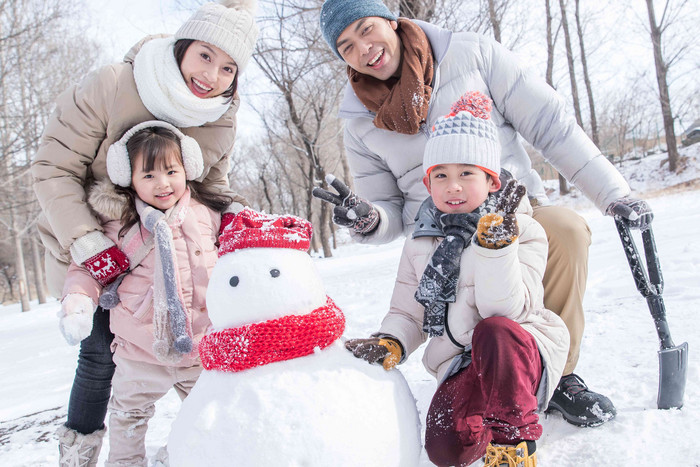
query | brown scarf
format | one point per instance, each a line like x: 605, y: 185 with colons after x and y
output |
x: 401, y: 104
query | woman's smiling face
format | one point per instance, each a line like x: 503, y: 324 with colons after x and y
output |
x: 208, y: 71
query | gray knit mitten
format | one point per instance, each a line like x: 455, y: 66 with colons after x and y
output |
x: 350, y: 210
x: 635, y: 212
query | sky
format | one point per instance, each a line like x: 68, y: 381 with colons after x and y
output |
x: 618, y: 356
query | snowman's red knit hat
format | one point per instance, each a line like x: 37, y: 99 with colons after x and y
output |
x: 253, y: 229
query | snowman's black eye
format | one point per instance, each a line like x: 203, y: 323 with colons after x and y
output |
x: 275, y: 272
x: 233, y: 281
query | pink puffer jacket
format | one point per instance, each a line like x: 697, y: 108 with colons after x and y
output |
x: 132, y: 320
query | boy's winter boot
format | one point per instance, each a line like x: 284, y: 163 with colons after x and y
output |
x: 579, y: 405
x: 507, y: 455
x: 77, y: 449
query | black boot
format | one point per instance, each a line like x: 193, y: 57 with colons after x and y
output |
x: 579, y: 405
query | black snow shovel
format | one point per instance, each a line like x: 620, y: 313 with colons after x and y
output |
x: 673, y: 360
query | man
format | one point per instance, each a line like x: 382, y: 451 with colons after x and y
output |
x: 403, y: 75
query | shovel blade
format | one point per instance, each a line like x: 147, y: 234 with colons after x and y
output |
x: 673, y: 371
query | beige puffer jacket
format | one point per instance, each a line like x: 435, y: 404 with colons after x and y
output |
x: 88, y: 118
x: 505, y: 282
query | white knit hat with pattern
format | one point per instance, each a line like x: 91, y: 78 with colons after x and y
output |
x: 229, y: 25
x: 465, y: 136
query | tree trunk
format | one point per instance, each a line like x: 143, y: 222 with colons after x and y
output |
x: 563, y: 185
x: 38, y: 264
x: 325, y: 231
x: 586, y: 78
x: 495, y: 21
x: 664, y: 97
x: 21, y: 272
x: 417, y: 9
x: 550, y: 46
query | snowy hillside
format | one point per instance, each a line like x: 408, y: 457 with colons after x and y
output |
x: 618, y: 356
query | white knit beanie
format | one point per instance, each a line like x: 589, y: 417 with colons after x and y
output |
x: 465, y: 136
x: 119, y: 164
x: 229, y: 25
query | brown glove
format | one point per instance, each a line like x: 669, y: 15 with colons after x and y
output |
x: 386, y: 351
x: 498, y: 229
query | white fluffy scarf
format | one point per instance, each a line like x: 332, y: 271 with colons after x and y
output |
x: 164, y: 92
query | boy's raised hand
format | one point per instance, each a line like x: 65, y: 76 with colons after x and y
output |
x: 350, y: 210
x: 386, y: 351
x: 498, y: 229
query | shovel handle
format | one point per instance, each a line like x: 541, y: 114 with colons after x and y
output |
x: 649, y: 280
x: 650, y: 283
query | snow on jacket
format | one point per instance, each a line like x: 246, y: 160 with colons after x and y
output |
x: 132, y: 320
x: 387, y: 166
x: 88, y: 118
x: 505, y: 282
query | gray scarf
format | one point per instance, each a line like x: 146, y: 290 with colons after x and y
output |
x: 438, y: 285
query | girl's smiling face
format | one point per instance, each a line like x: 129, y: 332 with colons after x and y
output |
x: 208, y: 71
x: 163, y: 185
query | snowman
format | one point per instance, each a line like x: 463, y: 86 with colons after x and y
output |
x: 279, y: 388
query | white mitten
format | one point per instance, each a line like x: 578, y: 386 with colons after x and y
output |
x: 76, y: 317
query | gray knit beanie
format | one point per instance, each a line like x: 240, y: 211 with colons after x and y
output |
x: 466, y: 135
x: 336, y: 15
x: 229, y: 25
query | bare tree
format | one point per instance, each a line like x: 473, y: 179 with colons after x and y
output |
x: 418, y: 9
x: 563, y: 185
x: 39, y: 56
x: 308, y: 81
x: 662, y: 65
x: 586, y: 78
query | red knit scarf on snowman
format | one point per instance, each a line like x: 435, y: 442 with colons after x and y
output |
x: 237, y: 349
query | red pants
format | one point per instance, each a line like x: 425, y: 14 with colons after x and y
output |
x: 492, y: 399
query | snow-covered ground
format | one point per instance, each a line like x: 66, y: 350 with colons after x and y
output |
x: 618, y: 356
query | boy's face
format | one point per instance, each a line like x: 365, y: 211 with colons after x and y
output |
x: 459, y: 188
x: 372, y: 47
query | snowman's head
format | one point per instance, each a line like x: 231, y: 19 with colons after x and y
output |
x: 260, y: 284
x: 263, y: 271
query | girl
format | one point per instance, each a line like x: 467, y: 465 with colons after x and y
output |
x: 167, y: 225
x: 189, y: 80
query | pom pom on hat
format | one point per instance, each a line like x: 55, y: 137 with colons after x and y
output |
x: 466, y: 135
x: 119, y: 164
x: 475, y: 103
x: 229, y: 25
x: 253, y: 229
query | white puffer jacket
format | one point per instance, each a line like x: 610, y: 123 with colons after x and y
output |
x: 387, y: 166
x: 505, y: 282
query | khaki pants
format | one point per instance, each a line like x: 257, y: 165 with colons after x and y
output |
x: 567, y: 271
x: 136, y: 387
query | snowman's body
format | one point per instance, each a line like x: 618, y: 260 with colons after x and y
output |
x: 323, y: 409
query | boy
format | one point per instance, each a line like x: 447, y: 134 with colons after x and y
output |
x: 470, y: 278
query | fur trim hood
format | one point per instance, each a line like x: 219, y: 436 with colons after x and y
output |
x: 105, y: 201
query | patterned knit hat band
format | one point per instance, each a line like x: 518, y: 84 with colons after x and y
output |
x: 229, y: 26
x: 465, y: 136
x: 336, y: 15
x: 252, y: 229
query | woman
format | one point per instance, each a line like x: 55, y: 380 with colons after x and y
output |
x: 188, y: 80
